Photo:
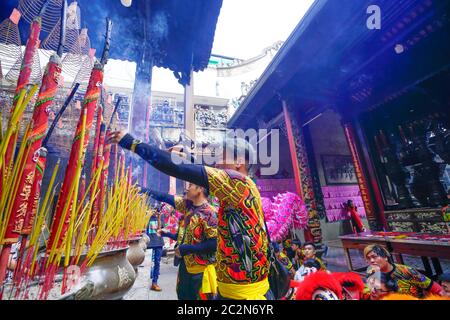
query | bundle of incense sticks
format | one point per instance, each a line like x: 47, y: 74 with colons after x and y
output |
x: 78, y: 233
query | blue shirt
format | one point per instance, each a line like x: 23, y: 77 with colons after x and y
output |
x: 155, y: 240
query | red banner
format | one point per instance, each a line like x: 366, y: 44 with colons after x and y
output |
x: 98, y: 128
x: 35, y: 192
x: 363, y: 186
x: 23, y: 80
x: 89, y: 104
x: 96, y: 210
x: 24, y: 195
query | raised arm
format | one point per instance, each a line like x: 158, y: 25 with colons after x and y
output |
x: 162, y: 160
x: 160, y: 196
x: 204, y: 247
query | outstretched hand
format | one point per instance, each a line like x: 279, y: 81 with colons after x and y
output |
x: 116, y: 136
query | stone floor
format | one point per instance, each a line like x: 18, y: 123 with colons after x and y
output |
x: 167, y: 281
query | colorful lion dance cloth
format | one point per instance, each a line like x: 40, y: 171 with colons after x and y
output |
x: 284, y: 212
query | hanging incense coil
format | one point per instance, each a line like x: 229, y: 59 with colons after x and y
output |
x: 71, y: 61
x: 87, y: 61
x: 84, y: 73
x: 10, y: 51
x: 10, y: 43
x: 30, y: 9
x: 84, y: 41
x: 9, y: 35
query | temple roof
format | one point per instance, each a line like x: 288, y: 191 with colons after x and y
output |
x: 180, y: 33
x: 333, y: 60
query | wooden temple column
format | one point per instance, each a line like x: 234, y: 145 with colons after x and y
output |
x: 189, y: 119
x: 368, y: 185
x: 189, y: 111
x: 302, y: 174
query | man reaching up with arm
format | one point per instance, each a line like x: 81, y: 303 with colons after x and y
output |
x: 242, y: 243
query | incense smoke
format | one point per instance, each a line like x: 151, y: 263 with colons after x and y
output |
x: 159, y: 29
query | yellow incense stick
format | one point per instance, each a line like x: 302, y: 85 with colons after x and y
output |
x: 35, y: 232
x: 84, y: 229
x: 77, y: 183
x: 11, y: 189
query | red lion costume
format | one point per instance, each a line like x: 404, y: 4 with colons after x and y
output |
x: 320, y: 285
x: 352, y: 285
x: 323, y: 285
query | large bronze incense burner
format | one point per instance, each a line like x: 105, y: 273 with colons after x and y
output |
x: 110, y: 277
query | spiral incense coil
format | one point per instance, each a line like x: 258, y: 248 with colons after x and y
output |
x: 84, y: 71
x: 30, y: 9
x: 10, y: 44
x: 71, y: 61
x: 84, y: 42
x: 10, y: 50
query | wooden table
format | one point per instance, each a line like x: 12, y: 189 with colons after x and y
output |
x: 398, y: 247
x: 358, y: 242
x: 434, y: 250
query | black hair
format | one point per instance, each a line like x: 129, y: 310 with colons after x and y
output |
x: 297, y: 242
x: 310, y: 263
x: 379, y: 251
x: 275, y: 247
x: 290, y: 253
x: 310, y: 244
x: 240, y: 146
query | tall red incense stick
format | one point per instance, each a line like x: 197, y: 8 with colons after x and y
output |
x: 34, y: 139
x: 22, y: 81
x: 90, y: 101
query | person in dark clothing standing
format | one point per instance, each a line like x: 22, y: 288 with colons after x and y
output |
x: 156, y: 244
x: 196, y: 242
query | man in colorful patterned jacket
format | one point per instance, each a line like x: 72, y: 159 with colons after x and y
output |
x: 397, y: 277
x: 196, y: 242
x: 242, y: 242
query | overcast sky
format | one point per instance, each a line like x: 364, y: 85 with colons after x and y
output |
x: 246, y: 27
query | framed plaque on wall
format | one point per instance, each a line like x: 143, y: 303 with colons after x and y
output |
x: 338, y: 169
